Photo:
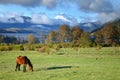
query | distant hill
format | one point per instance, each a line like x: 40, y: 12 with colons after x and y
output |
x: 13, y: 25
x: 90, y: 26
x: 113, y: 23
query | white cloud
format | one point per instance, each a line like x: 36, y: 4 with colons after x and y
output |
x: 6, y: 16
x: 41, y: 19
x: 19, y: 19
x: 3, y: 19
x: 106, y: 10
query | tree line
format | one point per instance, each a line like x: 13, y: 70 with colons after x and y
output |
x: 108, y: 35
x: 18, y: 40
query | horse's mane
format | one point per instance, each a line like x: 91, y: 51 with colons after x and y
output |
x: 28, y: 61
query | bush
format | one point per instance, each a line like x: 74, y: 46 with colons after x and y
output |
x: 31, y: 48
x: 21, y: 48
x: 2, y: 48
x: 9, y: 48
x: 5, y: 48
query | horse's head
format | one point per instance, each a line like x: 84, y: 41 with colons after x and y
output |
x: 31, y: 68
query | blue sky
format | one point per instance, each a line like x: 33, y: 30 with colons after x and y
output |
x: 75, y: 10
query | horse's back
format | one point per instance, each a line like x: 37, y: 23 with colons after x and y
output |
x: 21, y: 60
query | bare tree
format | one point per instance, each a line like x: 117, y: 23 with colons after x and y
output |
x: 31, y: 38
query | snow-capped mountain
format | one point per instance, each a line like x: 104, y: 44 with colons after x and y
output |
x: 62, y: 18
x: 24, y: 24
x: 65, y: 19
x: 87, y: 26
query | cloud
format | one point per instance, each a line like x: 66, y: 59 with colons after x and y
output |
x: 49, y: 3
x: 84, y: 5
x: 21, y: 2
x: 105, y: 9
x: 5, y: 17
x: 19, y: 19
x: 31, y: 3
x: 41, y: 19
x: 94, y: 5
x: 103, y: 17
x: 12, y: 17
x: 2, y: 19
x: 13, y: 14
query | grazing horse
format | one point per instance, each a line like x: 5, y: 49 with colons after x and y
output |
x: 24, y: 61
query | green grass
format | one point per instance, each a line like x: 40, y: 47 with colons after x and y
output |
x: 66, y: 64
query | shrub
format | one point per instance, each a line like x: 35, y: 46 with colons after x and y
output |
x: 5, y: 48
x: 30, y: 48
x: 2, y: 48
x: 21, y: 48
x: 9, y: 48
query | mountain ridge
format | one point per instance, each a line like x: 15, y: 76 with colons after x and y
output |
x: 25, y: 25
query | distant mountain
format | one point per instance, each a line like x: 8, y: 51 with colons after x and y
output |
x: 90, y: 26
x: 112, y: 23
x: 65, y: 19
x: 24, y: 24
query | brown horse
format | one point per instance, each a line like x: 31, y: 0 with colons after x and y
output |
x: 24, y: 61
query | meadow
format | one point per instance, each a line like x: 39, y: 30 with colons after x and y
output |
x: 65, y: 64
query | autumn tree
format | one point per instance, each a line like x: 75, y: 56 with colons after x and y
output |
x: 64, y: 33
x: 85, y: 40
x: 99, y: 37
x: 52, y: 37
x: 76, y: 32
x: 31, y: 39
x: 108, y: 35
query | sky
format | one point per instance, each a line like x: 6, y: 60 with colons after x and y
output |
x: 73, y: 11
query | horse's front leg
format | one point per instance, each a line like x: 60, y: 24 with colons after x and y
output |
x: 24, y: 68
x: 18, y: 67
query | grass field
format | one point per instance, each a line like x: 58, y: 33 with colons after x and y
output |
x: 66, y: 64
